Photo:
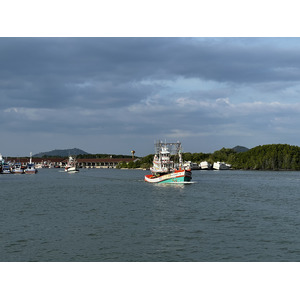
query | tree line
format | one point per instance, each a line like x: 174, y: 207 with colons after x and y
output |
x: 266, y: 157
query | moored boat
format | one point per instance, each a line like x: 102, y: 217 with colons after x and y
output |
x: 17, y: 168
x: 164, y: 170
x: 204, y: 165
x: 71, y: 166
x: 191, y: 165
x: 30, y: 168
x: 1, y: 162
x: 4, y: 166
x: 221, y: 166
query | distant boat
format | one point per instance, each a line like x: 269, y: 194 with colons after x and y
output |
x: 71, y: 166
x: 6, y: 168
x: 166, y: 171
x: 39, y: 166
x: 191, y: 165
x: 1, y: 162
x: 205, y: 165
x: 30, y: 168
x: 221, y: 166
x: 17, y: 168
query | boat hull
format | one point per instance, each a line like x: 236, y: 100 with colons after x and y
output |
x: 71, y: 170
x: 6, y: 172
x: 18, y: 172
x: 30, y: 171
x: 176, y: 177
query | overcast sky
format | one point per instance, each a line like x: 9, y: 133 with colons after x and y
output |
x: 114, y: 95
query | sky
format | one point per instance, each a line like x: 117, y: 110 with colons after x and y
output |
x: 116, y: 94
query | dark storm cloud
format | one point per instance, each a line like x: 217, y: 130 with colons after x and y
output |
x: 142, y: 87
x: 57, y: 72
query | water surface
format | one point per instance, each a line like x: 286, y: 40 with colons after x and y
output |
x: 113, y: 215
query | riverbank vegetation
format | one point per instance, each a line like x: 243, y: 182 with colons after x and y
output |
x: 266, y: 157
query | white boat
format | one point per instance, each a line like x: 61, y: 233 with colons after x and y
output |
x: 4, y: 166
x: 205, y: 165
x: 166, y: 171
x: 30, y: 168
x: 221, y: 166
x: 191, y: 165
x: 1, y: 162
x: 71, y: 166
x: 17, y: 168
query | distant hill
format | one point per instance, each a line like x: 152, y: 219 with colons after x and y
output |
x: 61, y: 153
x: 239, y: 149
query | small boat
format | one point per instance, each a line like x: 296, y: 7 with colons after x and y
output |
x: 30, y: 168
x: 191, y: 165
x: 6, y: 168
x: 221, y: 166
x: 71, y: 166
x: 164, y: 170
x: 204, y: 165
x: 17, y: 168
x: 1, y: 162
x: 194, y: 166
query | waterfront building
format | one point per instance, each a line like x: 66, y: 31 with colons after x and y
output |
x: 59, y: 162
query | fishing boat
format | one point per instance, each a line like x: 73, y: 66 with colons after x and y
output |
x: 17, y: 168
x: 71, y: 166
x: 30, y: 168
x: 164, y: 170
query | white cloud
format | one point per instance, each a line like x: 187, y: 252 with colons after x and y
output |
x: 223, y: 101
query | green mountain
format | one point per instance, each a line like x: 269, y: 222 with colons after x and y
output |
x: 61, y: 153
x: 268, y: 157
x: 239, y: 149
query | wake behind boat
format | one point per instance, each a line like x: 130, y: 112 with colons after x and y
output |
x: 164, y: 169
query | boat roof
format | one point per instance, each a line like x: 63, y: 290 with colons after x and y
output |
x: 164, y: 150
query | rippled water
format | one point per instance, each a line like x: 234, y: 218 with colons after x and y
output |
x: 113, y: 215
